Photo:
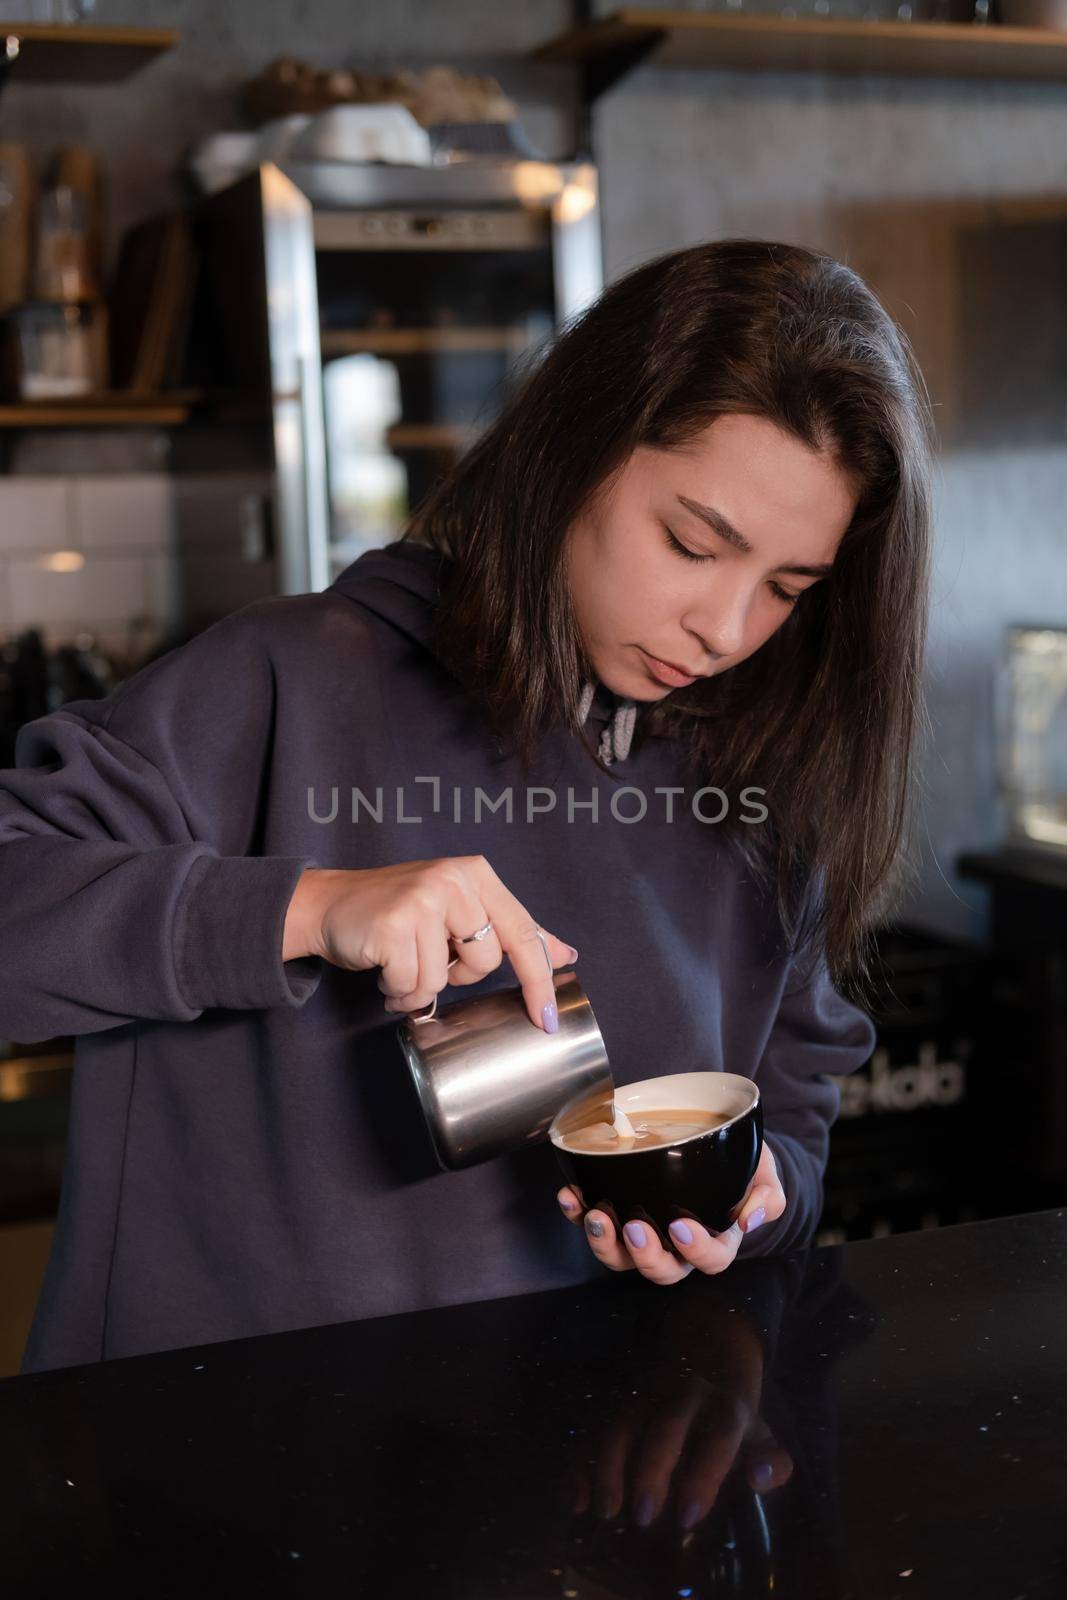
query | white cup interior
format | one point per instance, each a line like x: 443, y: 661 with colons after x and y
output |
x: 723, y: 1092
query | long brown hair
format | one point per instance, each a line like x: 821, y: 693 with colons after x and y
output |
x: 825, y: 714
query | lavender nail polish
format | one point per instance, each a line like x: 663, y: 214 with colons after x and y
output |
x: 758, y: 1217
x: 550, y: 1017
x: 595, y: 1228
x: 643, y: 1510
x: 681, y: 1232
x: 635, y: 1235
x: 691, y: 1514
x: 568, y: 1205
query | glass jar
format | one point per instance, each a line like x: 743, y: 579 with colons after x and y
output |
x: 57, y: 349
x: 64, y: 254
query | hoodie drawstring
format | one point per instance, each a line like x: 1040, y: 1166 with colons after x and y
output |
x: 618, y: 731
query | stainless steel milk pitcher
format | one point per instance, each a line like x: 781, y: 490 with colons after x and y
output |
x: 490, y: 1080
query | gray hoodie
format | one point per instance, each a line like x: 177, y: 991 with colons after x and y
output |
x: 246, y: 1154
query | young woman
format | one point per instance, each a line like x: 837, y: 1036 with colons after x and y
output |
x: 643, y: 672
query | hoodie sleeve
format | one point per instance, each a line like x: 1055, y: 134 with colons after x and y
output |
x: 817, y: 1036
x: 131, y: 885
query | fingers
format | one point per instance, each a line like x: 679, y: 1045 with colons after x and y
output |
x: 764, y: 1204
x: 615, y: 1450
x: 713, y: 1453
x: 432, y: 955
x: 466, y: 913
x: 765, y: 1201
x: 411, y: 920
x: 521, y: 940
x: 639, y: 1246
x: 708, y: 1252
x: 399, y: 976
x: 769, y: 1468
x: 604, y: 1243
x: 527, y: 955
x: 649, y: 1256
x: 661, y: 1450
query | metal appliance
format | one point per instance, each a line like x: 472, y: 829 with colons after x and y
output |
x: 357, y: 326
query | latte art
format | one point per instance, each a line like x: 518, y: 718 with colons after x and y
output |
x: 651, y: 1130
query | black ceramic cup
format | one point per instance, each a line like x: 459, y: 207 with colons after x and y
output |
x: 705, y: 1176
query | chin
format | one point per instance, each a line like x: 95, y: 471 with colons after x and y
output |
x: 651, y: 693
x: 630, y: 680
x: 636, y: 686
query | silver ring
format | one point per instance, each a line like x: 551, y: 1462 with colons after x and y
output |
x: 465, y: 938
x: 429, y: 1015
x: 544, y: 947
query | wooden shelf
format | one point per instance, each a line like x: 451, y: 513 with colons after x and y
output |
x: 41, y: 53
x: 429, y: 436
x: 99, y: 411
x: 773, y: 44
x: 419, y: 341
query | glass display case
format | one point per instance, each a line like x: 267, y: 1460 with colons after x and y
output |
x: 1032, y: 735
x: 424, y: 315
x: 361, y: 323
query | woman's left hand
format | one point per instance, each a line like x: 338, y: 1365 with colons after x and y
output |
x: 639, y: 1247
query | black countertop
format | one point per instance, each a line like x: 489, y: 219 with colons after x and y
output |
x: 877, y: 1420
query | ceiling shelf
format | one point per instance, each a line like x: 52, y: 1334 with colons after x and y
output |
x: 40, y: 53
x: 610, y: 46
x: 99, y: 411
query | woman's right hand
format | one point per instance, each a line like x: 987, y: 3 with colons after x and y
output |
x: 401, y: 919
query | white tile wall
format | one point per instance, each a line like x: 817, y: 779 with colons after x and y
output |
x: 162, y: 588
x: 123, y: 526
x: 104, y: 590
x: 34, y: 513
x: 124, y: 513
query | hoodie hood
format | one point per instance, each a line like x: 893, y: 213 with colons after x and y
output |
x: 401, y: 584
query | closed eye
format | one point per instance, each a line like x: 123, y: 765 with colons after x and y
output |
x: 683, y: 550
x: 787, y: 596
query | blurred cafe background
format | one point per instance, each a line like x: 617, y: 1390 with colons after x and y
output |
x: 266, y: 270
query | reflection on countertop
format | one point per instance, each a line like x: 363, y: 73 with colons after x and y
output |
x: 876, y: 1420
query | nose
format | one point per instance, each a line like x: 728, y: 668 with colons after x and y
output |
x: 718, y: 622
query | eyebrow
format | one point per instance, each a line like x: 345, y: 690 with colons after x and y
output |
x: 726, y: 530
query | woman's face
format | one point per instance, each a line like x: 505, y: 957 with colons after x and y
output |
x: 761, y: 517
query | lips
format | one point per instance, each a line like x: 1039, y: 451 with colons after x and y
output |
x: 670, y: 676
x: 684, y: 672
